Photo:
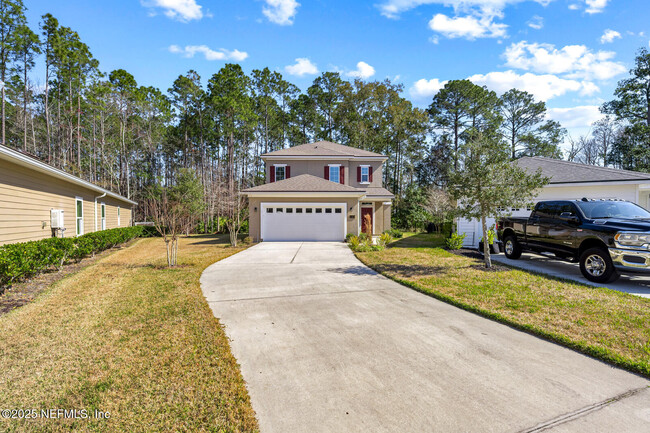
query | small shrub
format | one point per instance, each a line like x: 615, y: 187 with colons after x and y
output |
x: 248, y: 240
x: 363, y: 236
x: 348, y: 237
x: 354, y: 242
x: 455, y: 241
x: 395, y: 233
x: 385, y: 239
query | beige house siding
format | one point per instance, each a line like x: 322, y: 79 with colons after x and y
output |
x: 27, y: 196
x: 316, y: 168
x: 255, y: 221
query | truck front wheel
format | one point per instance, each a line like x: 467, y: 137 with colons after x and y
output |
x: 596, y: 265
x: 511, y: 247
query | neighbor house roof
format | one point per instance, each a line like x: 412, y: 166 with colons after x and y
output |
x: 326, y: 149
x: 34, y: 164
x: 304, y: 183
x: 572, y: 172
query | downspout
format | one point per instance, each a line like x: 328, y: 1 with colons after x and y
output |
x: 99, y: 196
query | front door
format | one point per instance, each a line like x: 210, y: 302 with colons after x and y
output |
x: 366, y: 215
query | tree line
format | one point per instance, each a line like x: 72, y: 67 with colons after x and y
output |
x: 127, y: 137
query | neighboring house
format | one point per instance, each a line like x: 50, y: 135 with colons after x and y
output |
x: 570, y: 180
x: 35, y: 196
x: 319, y: 192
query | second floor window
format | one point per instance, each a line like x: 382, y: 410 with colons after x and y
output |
x: 279, y: 173
x: 335, y: 173
x: 365, y: 174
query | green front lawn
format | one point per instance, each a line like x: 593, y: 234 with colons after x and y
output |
x: 127, y: 336
x: 610, y: 325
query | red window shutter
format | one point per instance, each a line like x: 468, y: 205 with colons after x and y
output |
x: 342, y: 175
x: 287, y: 172
x: 326, y: 174
x: 370, y: 174
x: 272, y: 168
x: 358, y: 174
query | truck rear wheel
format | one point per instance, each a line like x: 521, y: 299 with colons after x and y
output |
x: 511, y: 247
x: 596, y: 265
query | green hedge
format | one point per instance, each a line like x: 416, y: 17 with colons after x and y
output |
x: 22, y: 260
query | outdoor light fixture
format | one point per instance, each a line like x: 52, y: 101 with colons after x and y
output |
x: 255, y: 209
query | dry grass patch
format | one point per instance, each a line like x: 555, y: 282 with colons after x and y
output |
x: 131, y: 337
x: 604, y: 323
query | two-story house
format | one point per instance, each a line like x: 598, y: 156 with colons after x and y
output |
x: 319, y: 192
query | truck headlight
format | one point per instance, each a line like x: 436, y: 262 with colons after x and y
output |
x: 633, y: 239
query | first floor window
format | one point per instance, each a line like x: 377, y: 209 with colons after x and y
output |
x: 80, y: 215
x: 365, y: 174
x: 279, y: 172
x: 103, y: 216
x: 118, y: 216
x: 334, y: 173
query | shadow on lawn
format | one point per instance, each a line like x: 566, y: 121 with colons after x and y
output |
x: 210, y: 239
x: 410, y: 270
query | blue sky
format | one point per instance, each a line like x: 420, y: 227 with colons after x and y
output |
x: 570, y: 53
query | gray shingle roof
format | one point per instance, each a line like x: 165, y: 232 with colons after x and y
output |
x: 572, y: 172
x: 323, y: 148
x: 304, y: 183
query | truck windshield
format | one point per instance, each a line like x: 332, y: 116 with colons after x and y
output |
x: 612, y: 209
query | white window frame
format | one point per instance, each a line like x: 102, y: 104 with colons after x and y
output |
x: 79, y: 220
x: 102, y: 215
x: 338, y: 172
x: 118, y: 216
x: 367, y: 175
x: 284, y: 171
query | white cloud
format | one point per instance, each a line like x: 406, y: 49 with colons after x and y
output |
x: 363, y: 71
x: 609, y: 35
x: 303, y: 66
x: 190, y: 51
x: 281, y: 12
x: 574, y: 61
x: 543, y: 87
x: 426, y: 89
x: 469, y: 27
x: 536, y: 22
x: 582, y: 116
x: 393, y: 8
x: 181, y: 10
x: 595, y: 6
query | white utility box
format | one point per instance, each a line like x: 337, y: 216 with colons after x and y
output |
x: 56, y: 219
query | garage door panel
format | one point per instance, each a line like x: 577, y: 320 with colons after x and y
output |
x: 283, y: 226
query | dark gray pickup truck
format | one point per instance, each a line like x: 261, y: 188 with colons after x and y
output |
x: 605, y: 236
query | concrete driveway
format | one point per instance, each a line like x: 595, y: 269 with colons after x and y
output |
x: 634, y: 284
x: 327, y: 345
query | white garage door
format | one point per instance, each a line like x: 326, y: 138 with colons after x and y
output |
x: 303, y: 221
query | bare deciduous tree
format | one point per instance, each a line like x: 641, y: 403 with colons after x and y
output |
x: 440, y: 205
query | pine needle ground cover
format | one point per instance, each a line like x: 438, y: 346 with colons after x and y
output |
x: 130, y: 337
x: 600, y: 322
